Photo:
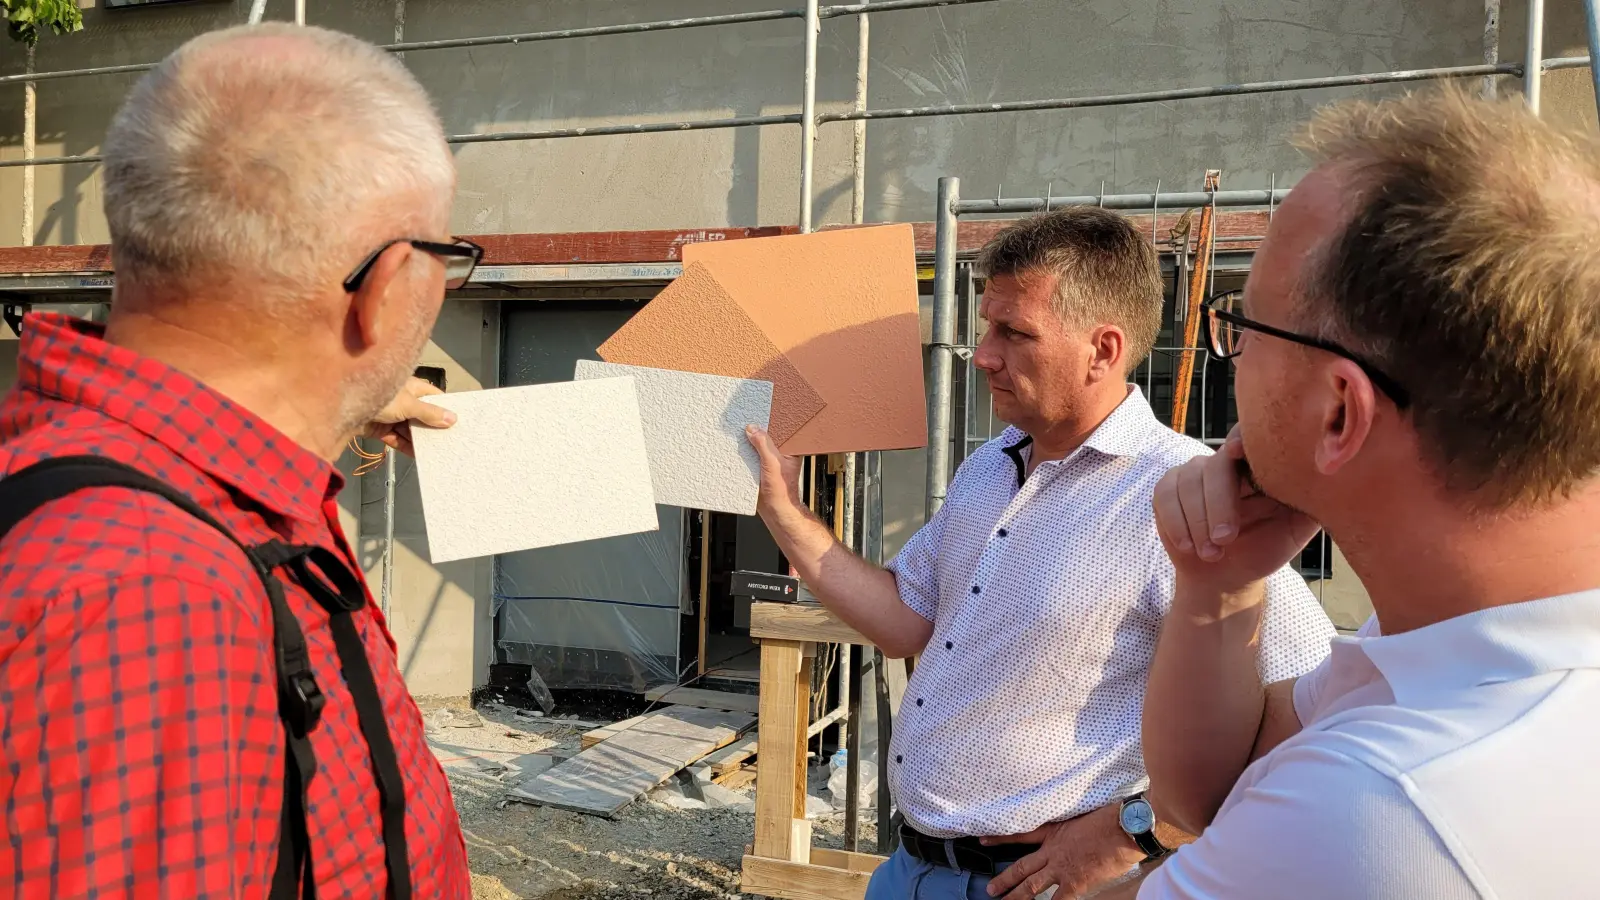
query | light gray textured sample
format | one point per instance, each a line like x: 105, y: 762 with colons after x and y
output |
x: 534, y: 466
x: 694, y: 431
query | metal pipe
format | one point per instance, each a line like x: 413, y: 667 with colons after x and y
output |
x: 299, y: 12
x: 30, y: 138
x: 1591, y: 10
x: 562, y: 34
x: 944, y: 320
x: 1532, y: 69
x: 1491, y: 43
x: 258, y: 7
x: 641, y: 128
x: 808, y: 115
x: 852, y: 750
x: 1565, y: 62
x: 389, y: 481
x: 50, y: 161
x: 1163, y: 96
x: 858, y: 149
x: 1178, y: 199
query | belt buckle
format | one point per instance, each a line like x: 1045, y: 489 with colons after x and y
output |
x: 965, y: 859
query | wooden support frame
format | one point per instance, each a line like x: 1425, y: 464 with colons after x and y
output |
x: 781, y: 862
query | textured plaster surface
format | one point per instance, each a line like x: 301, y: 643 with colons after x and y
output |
x: 694, y: 433
x: 695, y: 326
x: 842, y: 306
x: 535, y: 466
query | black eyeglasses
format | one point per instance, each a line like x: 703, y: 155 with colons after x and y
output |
x: 460, y: 258
x: 1225, y: 326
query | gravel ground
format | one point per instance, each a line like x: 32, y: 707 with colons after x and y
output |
x: 523, y: 852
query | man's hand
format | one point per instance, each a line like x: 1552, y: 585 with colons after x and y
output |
x: 1219, y: 530
x: 780, y: 475
x: 393, y: 424
x: 1073, y: 856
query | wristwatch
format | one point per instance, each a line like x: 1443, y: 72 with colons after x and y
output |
x: 1139, y: 821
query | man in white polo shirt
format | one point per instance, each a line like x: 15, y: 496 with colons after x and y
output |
x: 1418, y: 358
x: 1035, y: 596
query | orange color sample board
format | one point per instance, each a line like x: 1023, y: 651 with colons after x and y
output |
x: 842, y: 306
x: 694, y: 326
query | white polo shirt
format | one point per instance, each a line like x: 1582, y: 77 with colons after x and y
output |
x: 1046, y: 598
x: 1460, y: 760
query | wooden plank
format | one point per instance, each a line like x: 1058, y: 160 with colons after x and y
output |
x: 731, y: 757
x: 704, y: 699
x: 605, y: 778
x: 782, y: 831
x: 591, y: 738
x: 798, y: 881
x: 844, y: 859
x: 800, y: 622
x: 738, y: 779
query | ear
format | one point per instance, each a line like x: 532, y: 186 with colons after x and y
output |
x: 1350, y: 407
x: 1108, y: 346
x: 369, y: 302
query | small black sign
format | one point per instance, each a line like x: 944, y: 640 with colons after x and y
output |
x: 765, y: 586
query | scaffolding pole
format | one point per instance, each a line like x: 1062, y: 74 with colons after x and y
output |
x: 808, y: 114
x: 1591, y: 11
x: 30, y: 138
x: 941, y: 349
x: 1168, y: 200
x: 1532, y: 68
x: 1491, y: 44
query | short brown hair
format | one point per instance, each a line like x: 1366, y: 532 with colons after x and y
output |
x: 1469, y: 272
x: 1107, y: 271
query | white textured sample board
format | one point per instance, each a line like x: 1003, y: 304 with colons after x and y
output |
x: 534, y: 466
x: 694, y: 431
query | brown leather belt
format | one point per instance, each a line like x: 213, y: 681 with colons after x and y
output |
x: 964, y: 854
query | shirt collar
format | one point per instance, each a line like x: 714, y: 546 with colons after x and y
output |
x: 1491, y: 646
x: 69, y: 360
x: 1128, y: 431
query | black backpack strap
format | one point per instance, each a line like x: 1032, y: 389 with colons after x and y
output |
x: 331, y: 584
x: 300, y: 701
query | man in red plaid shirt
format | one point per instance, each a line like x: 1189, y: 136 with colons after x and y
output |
x: 277, y: 199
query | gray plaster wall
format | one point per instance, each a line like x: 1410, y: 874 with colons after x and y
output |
x: 1014, y: 49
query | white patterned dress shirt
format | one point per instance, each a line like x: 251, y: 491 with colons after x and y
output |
x: 1046, y: 598
x: 1452, y: 762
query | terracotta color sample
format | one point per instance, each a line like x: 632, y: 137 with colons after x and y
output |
x: 842, y: 306
x: 694, y: 326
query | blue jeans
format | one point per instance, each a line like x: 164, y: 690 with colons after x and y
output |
x: 906, y: 878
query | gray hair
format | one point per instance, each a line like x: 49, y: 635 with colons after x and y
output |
x: 262, y: 163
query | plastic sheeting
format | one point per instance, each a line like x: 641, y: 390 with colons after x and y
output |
x: 596, y: 614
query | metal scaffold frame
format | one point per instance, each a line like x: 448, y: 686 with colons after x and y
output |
x: 844, y: 874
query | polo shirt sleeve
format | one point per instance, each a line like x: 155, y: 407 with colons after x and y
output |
x: 1318, y: 826
x: 1295, y: 632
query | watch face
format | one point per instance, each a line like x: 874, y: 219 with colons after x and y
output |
x: 1137, y: 817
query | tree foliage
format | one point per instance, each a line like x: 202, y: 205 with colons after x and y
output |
x: 27, y: 19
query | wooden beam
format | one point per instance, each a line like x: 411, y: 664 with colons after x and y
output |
x: 798, y: 881
x: 801, y: 622
x: 704, y: 699
x: 844, y: 859
x: 782, y: 831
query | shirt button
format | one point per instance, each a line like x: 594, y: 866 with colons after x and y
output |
x: 919, y: 701
x: 949, y: 646
x: 898, y: 758
x: 1002, y: 532
x: 976, y: 589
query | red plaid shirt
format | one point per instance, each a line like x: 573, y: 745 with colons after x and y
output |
x: 141, y: 753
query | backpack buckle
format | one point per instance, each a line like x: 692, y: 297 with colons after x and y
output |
x: 303, y: 702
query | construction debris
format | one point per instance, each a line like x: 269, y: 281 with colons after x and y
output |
x: 605, y: 778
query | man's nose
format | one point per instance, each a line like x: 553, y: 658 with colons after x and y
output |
x: 985, y: 357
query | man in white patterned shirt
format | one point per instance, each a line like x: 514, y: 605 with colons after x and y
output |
x: 1035, y: 596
